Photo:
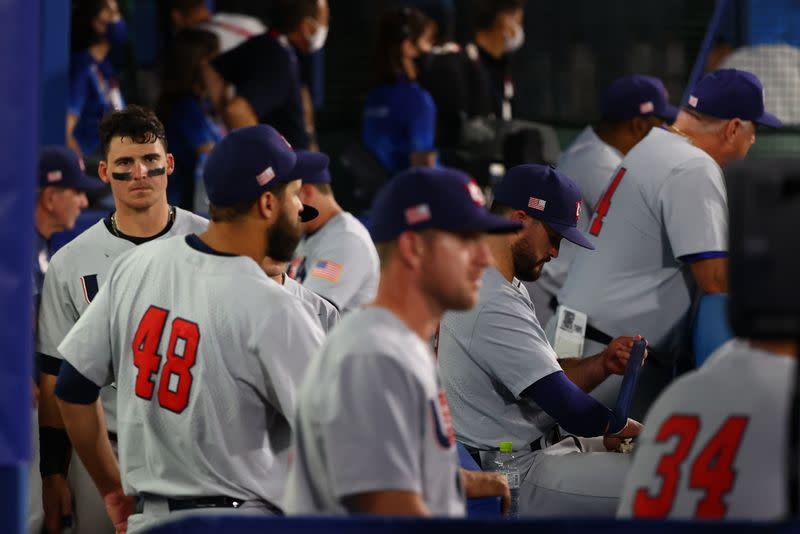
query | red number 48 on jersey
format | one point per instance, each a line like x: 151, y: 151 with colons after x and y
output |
x: 711, y: 470
x: 176, y: 376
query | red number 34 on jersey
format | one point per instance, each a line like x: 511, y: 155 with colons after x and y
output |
x: 711, y: 469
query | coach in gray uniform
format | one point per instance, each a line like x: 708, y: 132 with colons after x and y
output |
x: 136, y: 164
x: 373, y: 432
x: 336, y: 259
x: 503, y: 379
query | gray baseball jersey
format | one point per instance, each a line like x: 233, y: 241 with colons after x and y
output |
x: 710, y: 452
x: 590, y: 163
x: 207, y: 353
x: 667, y: 200
x: 76, y: 273
x: 372, y: 416
x: 339, y: 262
x: 324, y: 311
x: 488, y: 356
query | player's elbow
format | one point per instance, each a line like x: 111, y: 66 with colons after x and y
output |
x: 72, y: 387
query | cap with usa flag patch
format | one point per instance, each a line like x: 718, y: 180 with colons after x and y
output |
x: 731, y: 93
x: 252, y: 160
x: 438, y: 198
x: 545, y: 194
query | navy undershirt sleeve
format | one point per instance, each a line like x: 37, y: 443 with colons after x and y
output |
x: 73, y: 387
x: 571, y: 407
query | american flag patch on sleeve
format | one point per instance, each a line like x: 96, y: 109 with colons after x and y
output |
x: 327, y: 270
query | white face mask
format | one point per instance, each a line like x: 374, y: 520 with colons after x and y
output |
x: 317, y: 39
x: 516, y: 41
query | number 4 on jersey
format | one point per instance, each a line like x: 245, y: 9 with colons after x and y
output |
x: 147, y: 360
x: 711, y: 471
x: 605, y: 203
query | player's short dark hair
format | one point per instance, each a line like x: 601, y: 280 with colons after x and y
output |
x: 286, y: 15
x: 501, y: 209
x: 385, y: 251
x: 134, y: 122
x: 229, y: 214
x: 395, y: 27
x: 487, y: 11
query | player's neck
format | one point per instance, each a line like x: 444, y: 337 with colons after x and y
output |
x: 501, y: 252
x: 328, y: 209
x: 492, y: 43
x: 615, y: 138
x: 237, y: 239
x: 44, y: 225
x: 419, y: 312
x: 781, y: 348
x: 142, y: 223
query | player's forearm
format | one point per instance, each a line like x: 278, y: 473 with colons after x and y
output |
x: 49, y: 415
x: 486, y: 484
x: 586, y: 373
x: 86, y: 427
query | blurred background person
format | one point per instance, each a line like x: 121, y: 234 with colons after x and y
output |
x: 399, y: 121
x: 187, y: 111
x: 97, y: 26
x: 232, y: 29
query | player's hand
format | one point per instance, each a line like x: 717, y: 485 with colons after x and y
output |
x: 487, y: 484
x: 617, y: 354
x: 119, y: 506
x: 56, y: 502
x: 632, y: 429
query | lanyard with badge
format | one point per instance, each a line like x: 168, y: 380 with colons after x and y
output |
x: 110, y: 92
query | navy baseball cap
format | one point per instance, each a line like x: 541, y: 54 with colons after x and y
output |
x: 731, y: 93
x: 637, y: 96
x: 61, y: 167
x: 545, y: 194
x: 440, y: 198
x: 248, y: 162
x: 312, y: 167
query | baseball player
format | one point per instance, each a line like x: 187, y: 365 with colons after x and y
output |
x: 661, y: 227
x: 136, y: 164
x: 327, y: 314
x: 710, y: 452
x: 336, y: 258
x: 198, y: 339
x: 503, y: 379
x: 630, y: 108
x: 60, y: 199
x: 373, y: 431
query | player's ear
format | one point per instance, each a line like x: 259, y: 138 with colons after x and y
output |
x: 170, y: 163
x: 518, y: 216
x: 102, y: 171
x: 267, y: 204
x: 732, y: 128
x: 409, y: 248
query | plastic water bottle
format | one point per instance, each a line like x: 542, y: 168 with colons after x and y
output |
x: 506, y: 462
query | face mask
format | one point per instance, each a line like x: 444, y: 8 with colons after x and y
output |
x: 516, y: 41
x: 317, y: 39
x: 117, y: 33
